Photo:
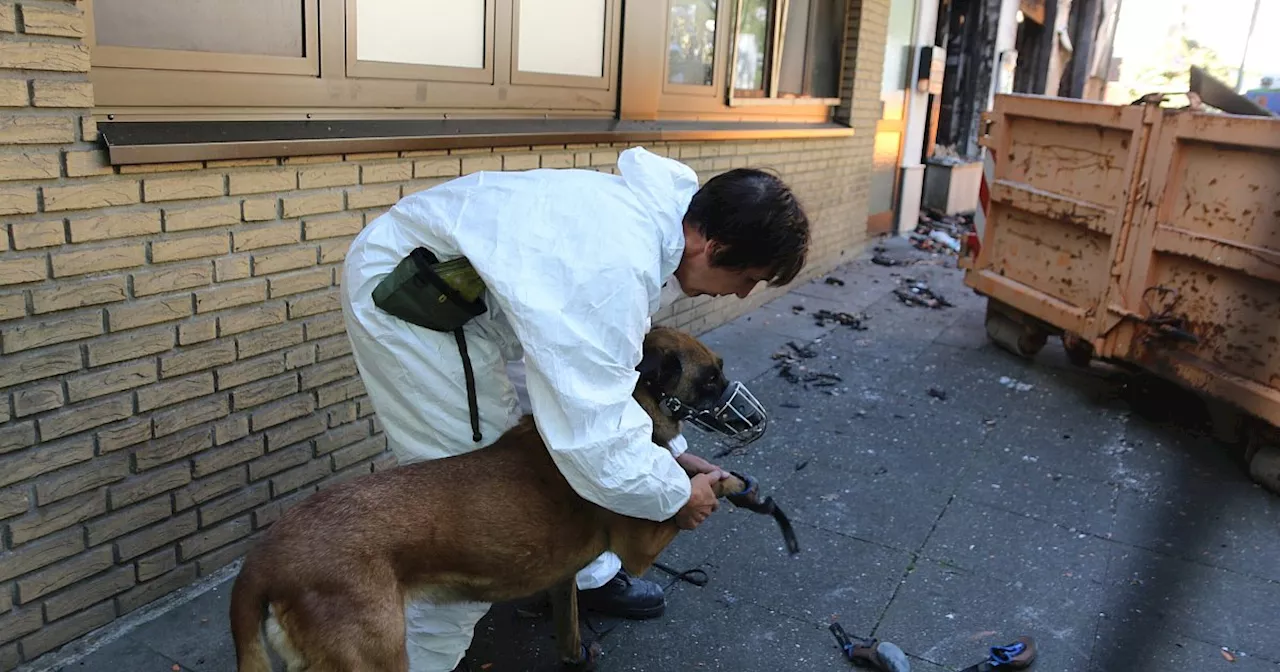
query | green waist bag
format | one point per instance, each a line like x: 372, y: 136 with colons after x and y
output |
x: 440, y: 296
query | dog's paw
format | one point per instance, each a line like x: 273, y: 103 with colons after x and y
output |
x: 587, y: 663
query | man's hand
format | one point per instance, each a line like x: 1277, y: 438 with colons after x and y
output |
x: 694, y: 465
x: 702, y: 503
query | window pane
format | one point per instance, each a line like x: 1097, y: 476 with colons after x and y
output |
x: 562, y: 37
x: 691, y: 36
x: 795, y: 42
x: 263, y: 27
x: 827, y: 48
x: 421, y: 32
x: 753, y: 44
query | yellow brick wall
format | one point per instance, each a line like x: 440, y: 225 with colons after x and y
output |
x: 173, y: 367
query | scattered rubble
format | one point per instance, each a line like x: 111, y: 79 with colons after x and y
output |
x: 917, y: 293
x: 1014, y: 384
x: 880, y: 260
x: 941, y: 234
x: 802, y: 351
x: 822, y: 317
x: 856, y: 322
x: 791, y: 370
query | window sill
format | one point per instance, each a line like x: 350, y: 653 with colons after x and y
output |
x: 130, y: 143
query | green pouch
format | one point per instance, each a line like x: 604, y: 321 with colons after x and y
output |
x: 440, y: 297
x: 437, y: 296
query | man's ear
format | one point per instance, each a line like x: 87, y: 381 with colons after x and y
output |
x: 658, y: 369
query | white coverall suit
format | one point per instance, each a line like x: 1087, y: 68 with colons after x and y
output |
x: 574, y: 262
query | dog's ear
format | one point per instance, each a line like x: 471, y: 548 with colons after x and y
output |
x: 659, y: 369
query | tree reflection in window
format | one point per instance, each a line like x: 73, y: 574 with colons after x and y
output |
x: 691, y: 35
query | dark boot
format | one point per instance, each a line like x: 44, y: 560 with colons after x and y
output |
x: 625, y: 596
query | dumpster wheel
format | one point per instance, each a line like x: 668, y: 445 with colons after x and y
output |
x: 1019, y: 337
x: 1262, y: 453
x: 1079, y: 351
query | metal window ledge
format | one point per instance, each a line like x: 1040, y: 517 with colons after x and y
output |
x: 169, y: 142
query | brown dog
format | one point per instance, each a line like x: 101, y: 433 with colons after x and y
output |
x: 331, y: 577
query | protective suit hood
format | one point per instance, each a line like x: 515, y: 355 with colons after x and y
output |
x: 664, y: 188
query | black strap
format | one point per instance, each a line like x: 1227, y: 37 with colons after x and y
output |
x: 696, y: 576
x: 471, y: 384
x: 750, y: 499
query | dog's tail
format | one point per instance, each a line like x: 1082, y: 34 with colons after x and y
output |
x: 248, y: 614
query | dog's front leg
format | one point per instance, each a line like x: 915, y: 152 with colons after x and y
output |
x: 564, y: 611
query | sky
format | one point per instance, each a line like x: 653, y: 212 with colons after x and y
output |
x: 1221, y: 25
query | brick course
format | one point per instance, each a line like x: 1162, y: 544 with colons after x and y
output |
x: 176, y: 372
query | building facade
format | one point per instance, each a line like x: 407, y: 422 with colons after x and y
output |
x: 179, y: 182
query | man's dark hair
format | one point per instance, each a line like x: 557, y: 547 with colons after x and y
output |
x: 756, y: 220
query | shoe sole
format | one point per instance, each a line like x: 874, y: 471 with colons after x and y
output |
x: 632, y: 614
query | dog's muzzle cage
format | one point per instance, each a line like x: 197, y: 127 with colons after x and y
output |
x: 738, y: 415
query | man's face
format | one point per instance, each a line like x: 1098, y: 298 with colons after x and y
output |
x: 698, y: 276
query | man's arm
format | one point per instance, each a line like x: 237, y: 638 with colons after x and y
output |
x: 581, y: 345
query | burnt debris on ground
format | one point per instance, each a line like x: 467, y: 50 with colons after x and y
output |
x: 915, y: 292
x: 855, y: 321
x: 940, y: 233
x: 793, y: 371
x: 881, y: 259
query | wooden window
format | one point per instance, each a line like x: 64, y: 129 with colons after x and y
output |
x: 735, y: 58
x: 403, y: 73
x: 441, y: 40
x: 692, y: 47
x: 787, y: 51
x: 542, y: 55
x: 292, y: 59
x: 245, y: 36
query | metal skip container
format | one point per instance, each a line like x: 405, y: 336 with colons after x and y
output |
x: 1141, y: 235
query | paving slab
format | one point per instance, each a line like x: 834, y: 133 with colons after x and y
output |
x: 794, y: 317
x: 694, y: 637
x: 1008, y: 478
x: 833, y: 577
x: 1146, y: 589
x: 952, y: 617
x: 195, y: 634
x: 128, y: 654
x: 1163, y: 651
x: 887, y: 509
x: 1008, y: 547
x: 1200, y: 518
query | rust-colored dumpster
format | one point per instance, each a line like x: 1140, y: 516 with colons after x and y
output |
x: 1142, y: 235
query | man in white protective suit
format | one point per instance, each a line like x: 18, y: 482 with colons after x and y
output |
x: 574, y: 263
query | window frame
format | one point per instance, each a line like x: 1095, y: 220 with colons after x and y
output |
x: 359, y: 69
x: 717, y: 72
x: 107, y: 56
x: 198, y: 115
x: 773, y: 70
x: 145, y: 91
x: 612, y: 38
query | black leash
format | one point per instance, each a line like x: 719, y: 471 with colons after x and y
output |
x: 471, y: 384
x: 750, y: 499
x: 686, y: 576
